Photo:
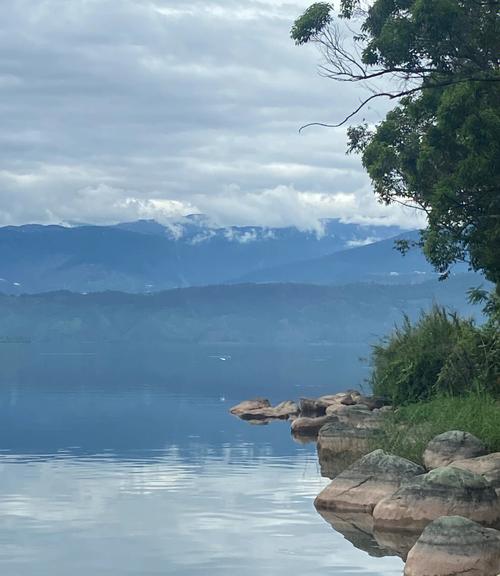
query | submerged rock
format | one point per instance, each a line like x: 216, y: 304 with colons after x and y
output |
x: 450, y: 446
x: 453, y: 546
x: 370, y: 479
x: 487, y: 466
x: 441, y: 492
x: 246, y: 405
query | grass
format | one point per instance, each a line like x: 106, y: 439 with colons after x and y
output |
x: 439, y: 354
x: 407, y: 432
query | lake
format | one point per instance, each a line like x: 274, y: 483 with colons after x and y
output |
x: 123, y: 460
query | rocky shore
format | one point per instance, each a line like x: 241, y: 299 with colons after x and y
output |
x: 442, y: 518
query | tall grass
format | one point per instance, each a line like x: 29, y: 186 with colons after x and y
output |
x: 411, y: 427
x: 439, y: 354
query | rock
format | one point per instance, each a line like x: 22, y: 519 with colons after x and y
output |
x: 340, y: 408
x: 441, y: 492
x: 372, y: 402
x: 288, y: 406
x: 487, y: 466
x: 348, y: 400
x: 339, y: 446
x: 309, y: 426
x: 356, y: 416
x: 385, y: 409
x: 255, y: 404
x: 330, y: 399
x: 452, y: 546
x: 312, y: 407
x: 370, y: 479
x: 318, y: 406
x: 450, y: 446
x: 281, y: 411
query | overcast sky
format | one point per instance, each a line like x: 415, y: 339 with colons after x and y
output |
x: 115, y: 110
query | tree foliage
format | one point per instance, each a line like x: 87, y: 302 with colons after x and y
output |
x: 438, y: 150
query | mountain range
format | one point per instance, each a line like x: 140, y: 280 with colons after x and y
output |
x: 241, y: 313
x: 146, y: 256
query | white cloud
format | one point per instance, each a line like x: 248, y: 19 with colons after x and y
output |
x: 130, y: 109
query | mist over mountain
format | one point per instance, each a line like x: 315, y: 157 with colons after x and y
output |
x: 146, y: 256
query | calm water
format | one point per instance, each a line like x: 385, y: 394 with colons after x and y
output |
x: 123, y: 461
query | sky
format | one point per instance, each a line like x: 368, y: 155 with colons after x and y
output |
x: 115, y: 110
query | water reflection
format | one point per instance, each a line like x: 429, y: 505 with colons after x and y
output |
x: 358, y: 529
x: 119, y: 472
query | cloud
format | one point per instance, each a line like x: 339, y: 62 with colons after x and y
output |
x: 157, y: 108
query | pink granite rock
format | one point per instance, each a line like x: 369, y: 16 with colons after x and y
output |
x: 450, y: 446
x: 370, y: 479
x: 442, y: 492
x: 453, y: 546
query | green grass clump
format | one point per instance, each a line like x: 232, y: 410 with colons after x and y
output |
x: 439, y: 354
x: 407, y: 431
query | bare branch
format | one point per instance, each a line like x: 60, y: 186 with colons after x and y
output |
x: 401, y: 94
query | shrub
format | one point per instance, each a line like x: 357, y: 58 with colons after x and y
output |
x: 439, y: 354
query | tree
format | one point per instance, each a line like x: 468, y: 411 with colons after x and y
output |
x: 438, y: 149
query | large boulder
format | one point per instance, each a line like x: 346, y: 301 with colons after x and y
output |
x: 441, y: 492
x: 246, y: 405
x: 281, y: 411
x: 305, y: 426
x: 488, y: 466
x: 453, y: 546
x: 370, y: 479
x: 450, y: 446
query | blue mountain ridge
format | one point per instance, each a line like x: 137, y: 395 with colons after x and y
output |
x: 146, y: 256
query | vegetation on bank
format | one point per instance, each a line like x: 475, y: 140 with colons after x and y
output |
x: 442, y: 373
x: 408, y: 431
x: 441, y: 353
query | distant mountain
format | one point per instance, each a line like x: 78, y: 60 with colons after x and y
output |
x: 377, y: 262
x: 243, y: 313
x: 146, y: 256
